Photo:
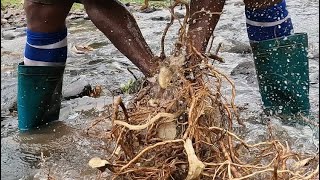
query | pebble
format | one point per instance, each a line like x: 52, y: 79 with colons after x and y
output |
x: 8, y: 14
x: 3, y: 21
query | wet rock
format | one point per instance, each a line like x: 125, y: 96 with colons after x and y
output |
x: 148, y: 10
x: 131, y: 9
x: 8, y: 95
x: 314, y: 55
x: 167, y: 18
x: 179, y: 15
x: 239, y: 47
x: 248, y: 70
x: 8, y: 35
x: 159, y: 18
x: 78, y: 88
x: 21, y: 30
x: 89, y: 103
x: 13, y: 108
x: 86, y: 17
x: 243, y: 68
x: 239, y: 3
x: 11, y: 34
x: 21, y: 24
x: 7, y: 29
x: 75, y: 16
x: 6, y: 25
x: 3, y: 21
x: 314, y: 78
x: 8, y: 14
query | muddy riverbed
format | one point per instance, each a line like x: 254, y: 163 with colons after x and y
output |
x: 65, y: 146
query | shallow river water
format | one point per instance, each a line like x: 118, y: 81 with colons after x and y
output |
x: 65, y: 146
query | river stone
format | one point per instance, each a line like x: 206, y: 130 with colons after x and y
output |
x: 167, y: 18
x: 11, y: 34
x: 75, y: 88
x: 244, y: 68
x: 149, y: 10
x: 86, y: 17
x: 314, y: 78
x: 3, y: 21
x: 6, y: 25
x: 239, y: 47
x: 179, y: 15
x: 247, y: 69
x: 8, y: 14
x: 75, y: 16
x: 9, y: 96
x: 8, y: 35
x: 159, y: 18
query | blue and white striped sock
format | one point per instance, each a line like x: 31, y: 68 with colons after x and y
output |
x: 269, y: 23
x: 46, y: 49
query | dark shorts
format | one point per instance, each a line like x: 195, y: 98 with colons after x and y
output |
x: 53, y: 1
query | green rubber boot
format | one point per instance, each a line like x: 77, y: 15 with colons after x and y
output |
x: 39, y: 95
x: 283, y: 74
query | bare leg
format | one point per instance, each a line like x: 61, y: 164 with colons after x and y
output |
x: 261, y: 4
x: 205, y: 15
x: 46, y: 18
x: 146, y: 5
x: 118, y: 24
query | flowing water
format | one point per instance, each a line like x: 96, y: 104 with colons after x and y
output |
x: 64, y: 148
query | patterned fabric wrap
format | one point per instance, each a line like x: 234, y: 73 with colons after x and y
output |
x: 46, y: 49
x: 269, y: 23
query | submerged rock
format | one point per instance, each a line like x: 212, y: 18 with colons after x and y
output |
x: 149, y: 10
x: 239, y: 47
x: 244, y: 68
x: 78, y: 88
x: 247, y: 69
x: 12, y: 34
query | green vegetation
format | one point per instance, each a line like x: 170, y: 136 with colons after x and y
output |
x: 11, y: 2
x: 19, y: 3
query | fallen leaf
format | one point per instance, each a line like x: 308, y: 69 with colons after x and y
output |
x: 96, y: 92
x: 97, y: 162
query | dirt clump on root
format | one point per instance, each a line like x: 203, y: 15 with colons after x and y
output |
x: 179, y: 126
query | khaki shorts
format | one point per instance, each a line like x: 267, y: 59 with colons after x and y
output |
x: 53, y: 1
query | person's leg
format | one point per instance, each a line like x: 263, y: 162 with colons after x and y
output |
x: 261, y: 4
x: 46, y: 17
x: 40, y: 75
x: 204, y: 16
x: 280, y: 57
x: 118, y: 24
x: 146, y: 5
x: 46, y: 32
x: 267, y: 19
